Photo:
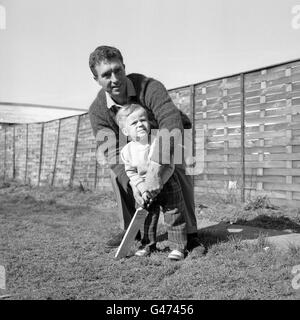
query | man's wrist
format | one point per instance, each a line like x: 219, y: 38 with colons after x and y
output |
x: 154, y: 168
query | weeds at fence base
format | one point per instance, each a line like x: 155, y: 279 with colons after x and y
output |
x: 258, y: 212
x: 260, y: 202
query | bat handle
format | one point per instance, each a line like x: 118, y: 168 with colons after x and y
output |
x: 147, y: 204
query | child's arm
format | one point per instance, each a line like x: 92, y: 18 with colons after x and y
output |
x: 135, y: 179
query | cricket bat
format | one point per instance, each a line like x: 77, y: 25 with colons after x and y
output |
x: 136, y: 222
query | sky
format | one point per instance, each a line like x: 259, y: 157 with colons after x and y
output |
x: 45, y: 45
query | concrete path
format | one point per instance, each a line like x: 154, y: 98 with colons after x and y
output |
x: 282, y: 239
x: 283, y: 242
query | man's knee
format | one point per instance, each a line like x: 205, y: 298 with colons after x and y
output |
x: 121, y: 178
x: 123, y: 181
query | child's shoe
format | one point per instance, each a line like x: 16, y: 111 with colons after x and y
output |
x: 143, y: 252
x: 176, y: 255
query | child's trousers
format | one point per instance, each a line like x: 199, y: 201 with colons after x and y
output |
x: 170, y: 200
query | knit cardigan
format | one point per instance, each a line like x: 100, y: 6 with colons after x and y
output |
x: 153, y: 96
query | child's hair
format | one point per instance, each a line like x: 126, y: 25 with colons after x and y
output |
x: 125, y: 111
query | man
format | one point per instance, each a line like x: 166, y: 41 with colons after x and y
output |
x: 106, y: 64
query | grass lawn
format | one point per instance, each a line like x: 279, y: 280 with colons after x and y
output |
x: 52, y: 248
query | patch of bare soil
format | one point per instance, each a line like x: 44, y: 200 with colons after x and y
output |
x: 256, y: 213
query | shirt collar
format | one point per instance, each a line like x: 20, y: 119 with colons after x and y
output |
x: 130, y: 93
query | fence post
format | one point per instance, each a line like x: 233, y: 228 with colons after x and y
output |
x: 26, y: 154
x: 192, y: 102
x: 14, y: 152
x: 4, y: 153
x: 96, y: 172
x: 56, y: 152
x: 289, y: 133
x: 74, y: 152
x: 41, y: 154
x: 226, y: 138
x: 242, y: 80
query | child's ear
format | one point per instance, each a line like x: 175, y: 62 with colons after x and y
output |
x: 125, y: 132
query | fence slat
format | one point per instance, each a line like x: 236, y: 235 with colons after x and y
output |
x: 242, y: 81
x: 41, y: 153
x: 56, y: 152
x: 74, y: 152
x: 251, y: 123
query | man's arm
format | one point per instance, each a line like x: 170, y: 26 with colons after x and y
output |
x: 135, y: 179
x: 106, y: 137
x: 169, y: 122
x: 167, y: 115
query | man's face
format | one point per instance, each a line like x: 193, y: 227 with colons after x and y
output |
x: 112, y: 77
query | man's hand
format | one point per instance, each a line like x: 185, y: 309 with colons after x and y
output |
x: 153, y: 179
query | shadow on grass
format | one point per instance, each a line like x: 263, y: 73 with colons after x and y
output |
x: 262, y: 225
x: 267, y: 222
x: 207, y: 237
x: 247, y: 230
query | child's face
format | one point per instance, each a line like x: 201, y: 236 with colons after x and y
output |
x: 137, y: 126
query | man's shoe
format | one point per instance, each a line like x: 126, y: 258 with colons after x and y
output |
x: 194, y: 242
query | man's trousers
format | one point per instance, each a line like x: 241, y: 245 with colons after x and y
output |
x: 126, y: 202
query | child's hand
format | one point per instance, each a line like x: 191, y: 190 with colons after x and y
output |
x: 146, y: 196
x: 137, y: 196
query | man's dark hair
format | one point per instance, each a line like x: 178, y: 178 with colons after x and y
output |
x: 103, y: 53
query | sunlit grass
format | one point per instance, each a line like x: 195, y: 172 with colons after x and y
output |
x: 52, y: 245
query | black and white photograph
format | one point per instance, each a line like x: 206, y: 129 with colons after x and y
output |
x: 108, y: 109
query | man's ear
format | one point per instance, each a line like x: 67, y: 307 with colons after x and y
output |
x: 125, y: 132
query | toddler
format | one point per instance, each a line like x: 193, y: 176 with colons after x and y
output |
x: 133, y: 121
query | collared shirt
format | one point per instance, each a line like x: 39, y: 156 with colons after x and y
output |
x: 129, y: 90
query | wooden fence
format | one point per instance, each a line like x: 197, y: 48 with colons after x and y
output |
x: 251, y: 125
x: 57, y: 153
